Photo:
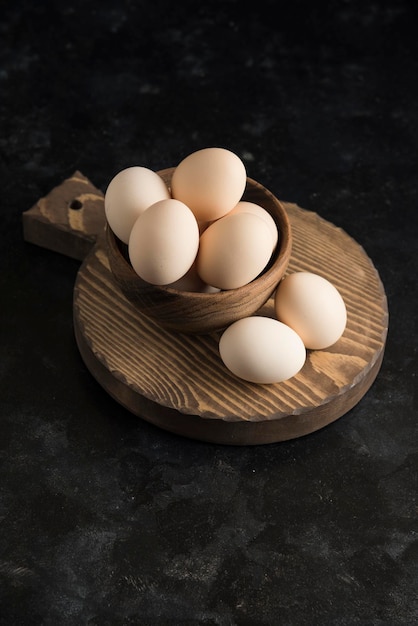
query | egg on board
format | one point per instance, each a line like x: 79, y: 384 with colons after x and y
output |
x: 129, y: 194
x: 163, y: 242
x: 313, y: 307
x: 250, y: 207
x: 234, y: 250
x: 210, y: 181
x: 262, y: 350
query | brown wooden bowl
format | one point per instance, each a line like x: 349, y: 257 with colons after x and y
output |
x: 196, y: 312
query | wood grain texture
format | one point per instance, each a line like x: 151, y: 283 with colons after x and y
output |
x: 178, y: 381
x: 68, y: 219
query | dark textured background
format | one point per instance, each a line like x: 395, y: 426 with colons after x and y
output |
x: 106, y: 520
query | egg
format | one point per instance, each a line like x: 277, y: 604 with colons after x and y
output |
x: 250, y: 207
x: 234, y: 250
x: 262, y: 350
x: 210, y: 181
x: 191, y: 281
x: 164, y: 241
x: 129, y: 194
x: 313, y: 307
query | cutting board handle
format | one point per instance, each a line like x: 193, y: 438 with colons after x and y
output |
x: 69, y: 219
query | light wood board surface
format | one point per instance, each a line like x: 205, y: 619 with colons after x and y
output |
x: 179, y: 382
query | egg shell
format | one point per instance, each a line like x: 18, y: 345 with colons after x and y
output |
x: 129, y: 194
x: 164, y: 241
x: 210, y: 181
x: 250, y: 207
x: 313, y: 307
x: 234, y: 250
x: 191, y: 281
x: 262, y: 350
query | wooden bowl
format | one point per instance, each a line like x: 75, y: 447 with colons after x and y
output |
x: 196, y: 312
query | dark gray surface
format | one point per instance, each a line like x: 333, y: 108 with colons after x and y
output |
x: 105, y: 519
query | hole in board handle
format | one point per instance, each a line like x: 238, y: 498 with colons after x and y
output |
x: 76, y: 205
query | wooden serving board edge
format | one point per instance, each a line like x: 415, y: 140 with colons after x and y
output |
x: 235, y: 433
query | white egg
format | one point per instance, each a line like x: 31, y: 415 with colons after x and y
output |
x: 234, y: 250
x: 262, y: 350
x: 250, y: 207
x: 313, y: 307
x: 129, y: 194
x: 163, y: 242
x: 210, y: 181
x: 191, y: 281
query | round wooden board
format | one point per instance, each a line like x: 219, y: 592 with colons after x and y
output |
x: 179, y: 382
